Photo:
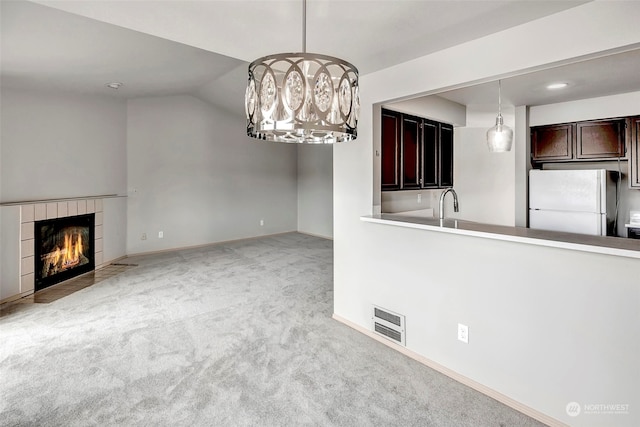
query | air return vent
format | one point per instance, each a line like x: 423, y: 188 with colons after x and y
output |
x: 389, y: 324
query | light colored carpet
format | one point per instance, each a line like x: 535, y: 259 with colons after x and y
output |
x: 237, y: 334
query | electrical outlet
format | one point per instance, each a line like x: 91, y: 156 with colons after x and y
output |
x: 261, y: 222
x: 160, y: 234
x: 463, y: 333
x: 144, y: 236
x: 419, y: 198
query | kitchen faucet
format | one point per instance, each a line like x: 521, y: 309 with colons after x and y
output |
x: 455, y: 201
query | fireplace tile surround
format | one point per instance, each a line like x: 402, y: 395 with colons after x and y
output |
x: 31, y: 212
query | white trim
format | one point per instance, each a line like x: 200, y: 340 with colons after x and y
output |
x: 506, y: 400
x: 315, y: 235
x: 16, y: 297
x: 203, y: 245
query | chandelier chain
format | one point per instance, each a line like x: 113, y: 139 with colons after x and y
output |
x: 304, y: 26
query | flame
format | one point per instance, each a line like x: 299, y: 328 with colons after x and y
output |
x: 65, y: 257
x: 71, y: 251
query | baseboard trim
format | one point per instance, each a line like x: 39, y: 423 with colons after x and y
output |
x: 107, y: 263
x: 204, y: 245
x: 506, y: 400
x: 16, y: 297
x: 320, y: 236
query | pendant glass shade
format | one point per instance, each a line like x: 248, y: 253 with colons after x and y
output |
x: 500, y: 137
x: 302, y: 98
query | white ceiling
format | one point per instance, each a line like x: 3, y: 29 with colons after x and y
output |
x: 606, y: 75
x: 48, y: 49
x: 161, y: 47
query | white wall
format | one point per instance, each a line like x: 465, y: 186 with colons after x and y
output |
x: 621, y: 105
x: 315, y: 190
x: 432, y: 107
x: 58, y: 145
x: 193, y: 174
x: 114, y: 228
x: 484, y: 181
x: 543, y: 322
x: 408, y: 200
x: 189, y: 163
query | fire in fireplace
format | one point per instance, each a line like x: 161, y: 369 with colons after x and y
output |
x: 64, y: 248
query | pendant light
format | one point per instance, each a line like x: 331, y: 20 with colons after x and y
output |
x: 500, y: 137
x: 302, y: 97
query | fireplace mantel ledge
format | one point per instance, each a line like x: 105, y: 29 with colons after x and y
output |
x: 33, y: 202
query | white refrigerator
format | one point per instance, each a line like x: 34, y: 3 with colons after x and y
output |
x: 574, y: 201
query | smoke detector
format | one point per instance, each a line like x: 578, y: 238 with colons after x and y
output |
x: 114, y: 85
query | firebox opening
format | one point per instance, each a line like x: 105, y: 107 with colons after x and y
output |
x: 64, y: 248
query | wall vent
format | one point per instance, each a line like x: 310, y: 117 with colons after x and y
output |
x: 389, y: 324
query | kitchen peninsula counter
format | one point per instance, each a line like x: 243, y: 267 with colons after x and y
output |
x: 617, y: 246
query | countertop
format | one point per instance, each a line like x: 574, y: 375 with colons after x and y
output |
x: 617, y: 246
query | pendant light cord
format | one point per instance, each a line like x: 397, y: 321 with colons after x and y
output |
x: 499, y: 97
x: 304, y: 26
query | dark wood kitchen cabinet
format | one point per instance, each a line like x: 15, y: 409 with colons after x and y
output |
x: 553, y: 142
x: 430, y: 160
x: 390, y: 159
x: 633, y: 135
x: 445, y: 156
x: 600, y: 139
x: 411, y: 152
x: 586, y: 140
x: 416, y: 152
x: 437, y: 154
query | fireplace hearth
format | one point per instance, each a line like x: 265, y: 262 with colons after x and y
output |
x: 64, y: 248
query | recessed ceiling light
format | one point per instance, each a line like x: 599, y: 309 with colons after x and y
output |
x: 554, y: 86
x: 114, y: 85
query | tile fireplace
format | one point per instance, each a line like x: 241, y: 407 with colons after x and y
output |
x: 25, y: 262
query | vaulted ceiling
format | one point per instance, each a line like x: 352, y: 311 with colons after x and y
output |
x: 203, y: 47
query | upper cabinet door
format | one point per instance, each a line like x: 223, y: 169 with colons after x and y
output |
x: 390, y: 161
x: 411, y: 152
x: 446, y: 155
x: 554, y: 142
x: 430, y: 154
x: 600, y: 139
x: 634, y: 155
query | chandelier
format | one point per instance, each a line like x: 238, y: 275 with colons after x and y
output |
x: 303, y: 97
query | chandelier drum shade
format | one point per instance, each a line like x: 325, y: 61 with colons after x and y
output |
x: 302, y: 97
